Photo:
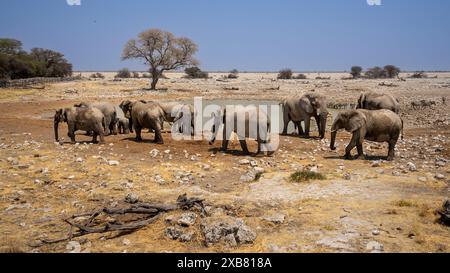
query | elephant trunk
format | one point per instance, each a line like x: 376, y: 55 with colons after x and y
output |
x: 55, y: 125
x: 323, y: 124
x: 334, y: 130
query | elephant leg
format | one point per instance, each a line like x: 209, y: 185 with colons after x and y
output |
x: 359, y: 147
x: 285, y: 127
x: 94, y: 137
x: 244, y: 146
x: 138, y: 131
x: 351, y: 145
x: 307, y: 126
x: 71, y: 133
x: 107, y: 126
x: 318, y: 124
x: 300, y: 128
x: 391, y: 153
x: 130, y: 125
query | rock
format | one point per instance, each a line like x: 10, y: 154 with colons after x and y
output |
x: 222, y: 229
x: 154, y: 153
x: 374, y: 247
x: 259, y: 170
x: 422, y: 179
x: 206, y: 167
x: 126, y: 242
x: 248, y: 177
x: 380, y: 171
x: 132, y: 198
x: 314, y: 169
x: 79, y: 160
x: 276, y: 218
x: 113, y: 163
x: 73, y: 247
x: 187, y: 219
x: 173, y: 232
x: 253, y: 163
x: 439, y: 176
x: 445, y: 213
x: 244, y: 162
x: 396, y: 173
x: 375, y: 232
x: 347, y: 176
x: 411, y: 167
x: 186, y: 237
x: 375, y: 164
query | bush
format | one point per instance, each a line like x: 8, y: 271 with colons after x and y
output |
x: 301, y: 77
x: 391, y: 71
x: 285, y: 74
x: 305, y: 176
x: 419, y: 75
x: 97, y: 76
x: 375, y: 73
x: 234, y: 74
x: 136, y: 75
x: 123, y: 74
x: 195, y: 73
x: 356, y: 71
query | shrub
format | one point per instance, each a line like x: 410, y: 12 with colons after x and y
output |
x: 356, y: 71
x: 391, y: 71
x: 301, y: 77
x: 304, y: 176
x: 375, y: 73
x: 195, y: 73
x: 419, y: 75
x: 136, y: 75
x: 123, y: 74
x: 285, y: 74
x: 97, y: 76
x: 234, y: 74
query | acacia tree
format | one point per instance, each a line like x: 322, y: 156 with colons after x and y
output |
x: 162, y: 51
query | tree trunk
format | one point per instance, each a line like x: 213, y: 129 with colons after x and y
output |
x: 155, y: 78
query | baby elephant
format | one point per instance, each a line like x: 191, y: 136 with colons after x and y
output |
x: 81, y: 118
x: 373, y: 125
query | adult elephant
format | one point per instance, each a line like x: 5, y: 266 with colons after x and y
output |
x: 110, y: 113
x: 147, y: 115
x: 377, y: 101
x: 298, y: 109
x: 245, y: 122
x: 81, y: 118
x: 374, y: 125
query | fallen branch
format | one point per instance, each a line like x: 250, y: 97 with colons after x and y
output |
x: 94, y: 225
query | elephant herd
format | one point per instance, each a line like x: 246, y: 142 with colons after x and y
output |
x: 375, y: 119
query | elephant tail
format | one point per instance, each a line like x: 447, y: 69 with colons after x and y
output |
x: 104, y: 123
x: 402, y: 129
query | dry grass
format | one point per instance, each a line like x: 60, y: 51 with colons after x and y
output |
x: 305, y: 176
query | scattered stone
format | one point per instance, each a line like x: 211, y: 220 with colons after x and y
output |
x: 276, y: 218
x: 375, y: 164
x: 206, y: 167
x: 187, y: 219
x: 439, y: 176
x: 244, y: 162
x: 73, y: 247
x: 126, y: 242
x: 113, y: 163
x: 186, y: 237
x: 422, y: 179
x: 259, y: 170
x: 248, y: 177
x: 374, y: 247
x: 253, y: 163
x: 396, y: 173
x: 131, y: 198
x: 411, y: 167
x: 79, y: 160
x: 217, y: 230
x: 173, y: 232
x: 347, y: 176
x: 154, y: 153
x: 375, y: 232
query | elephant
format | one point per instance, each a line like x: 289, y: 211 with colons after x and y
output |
x: 173, y: 112
x: 373, y: 125
x: 377, y: 101
x: 81, y: 118
x: 145, y: 115
x: 257, y: 126
x: 302, y: 109
x: 109, y: 111
x: 123, y: 125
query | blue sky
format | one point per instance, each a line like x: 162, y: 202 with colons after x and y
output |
x: 250, y: 35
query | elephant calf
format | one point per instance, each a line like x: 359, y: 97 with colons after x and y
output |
x: 81, y: 118
x: 373, y: 125
x: 109, y: 111
x: 377, y: 101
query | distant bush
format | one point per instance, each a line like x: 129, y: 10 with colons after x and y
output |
x: 136, y: 75
x: 234, y: 74
x: 195, y: 73
x: 375, y: 73
x: 419, y: 75
x: 356, y: 71
x: 391, y: 71
x: 146, y: 75
x: 15, y: 63
x: 285, y: 74
x: 97, y: 76
x: 300, y: 77
x: 123, y: 74
x: 304, y: 176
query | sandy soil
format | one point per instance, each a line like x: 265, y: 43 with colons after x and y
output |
x: 360, y: 204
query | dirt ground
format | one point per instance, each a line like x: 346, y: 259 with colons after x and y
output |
x: 360, y: 204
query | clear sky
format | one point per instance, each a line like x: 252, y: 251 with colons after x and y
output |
x: 250, y: 35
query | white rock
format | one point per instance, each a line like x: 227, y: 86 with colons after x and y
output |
x: 244, y: 162
x: 374, y: 247
x: 113, y: 163
x: 439, y: 176
x: 411, y: 167
x: 73, y: 247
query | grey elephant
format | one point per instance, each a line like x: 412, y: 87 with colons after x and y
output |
x: 298, y: 109
x: 109, y: 111
x: 123, y: 124
x: 255, y: 124
x: 377, y: 101
x: 374, y: 125
x: 81, y: 118
x: 173, y: 113
x: 145, y: 115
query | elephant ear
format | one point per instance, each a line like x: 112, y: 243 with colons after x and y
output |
x: 355, y: 122
x: 306, y: 105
